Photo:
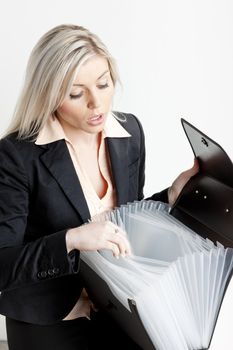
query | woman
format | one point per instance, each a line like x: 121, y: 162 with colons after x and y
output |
x: 65, y: 158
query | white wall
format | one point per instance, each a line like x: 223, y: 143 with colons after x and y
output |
x: 175, y: 59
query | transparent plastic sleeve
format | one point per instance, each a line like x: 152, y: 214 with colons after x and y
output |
x: 176, y: 277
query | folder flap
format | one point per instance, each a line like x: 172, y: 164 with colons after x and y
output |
x: 212, y: 158
x: 206, y: 202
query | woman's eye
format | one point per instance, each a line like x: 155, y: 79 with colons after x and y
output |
x: 76, y: 96
x: 103, y: 86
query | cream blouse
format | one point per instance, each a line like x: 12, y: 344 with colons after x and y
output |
x: 53, y: 131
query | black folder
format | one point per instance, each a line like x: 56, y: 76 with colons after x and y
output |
x: 206, y: 202
x: 205, y: 205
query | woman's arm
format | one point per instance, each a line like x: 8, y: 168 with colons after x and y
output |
x: 161, y: 196
x: 168, y: 195
x: 51, y: 255
x: 20, y: 262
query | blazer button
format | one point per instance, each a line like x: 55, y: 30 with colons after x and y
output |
x: 42, y: 274
x: 50, y: 272
x: 56, y: 270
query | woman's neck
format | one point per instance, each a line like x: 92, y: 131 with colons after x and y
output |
x: 80, y: 137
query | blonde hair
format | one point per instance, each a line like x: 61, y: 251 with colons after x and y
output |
x: 51, y: 70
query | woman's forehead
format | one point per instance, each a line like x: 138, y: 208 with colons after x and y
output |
x: 93, y: 69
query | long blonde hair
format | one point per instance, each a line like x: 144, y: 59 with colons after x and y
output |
x: 51, y: 70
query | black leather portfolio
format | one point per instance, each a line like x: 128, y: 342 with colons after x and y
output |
x: 205, y: 205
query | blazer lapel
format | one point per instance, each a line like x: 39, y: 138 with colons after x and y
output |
x: 57, y: 159
x: 118, y: 152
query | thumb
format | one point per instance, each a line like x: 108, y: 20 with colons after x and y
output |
x: 181, y: 181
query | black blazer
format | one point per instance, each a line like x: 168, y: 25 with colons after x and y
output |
x: 40, y: 198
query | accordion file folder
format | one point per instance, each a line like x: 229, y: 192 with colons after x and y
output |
x: 203, y: 209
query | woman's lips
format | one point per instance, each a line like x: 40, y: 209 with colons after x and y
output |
x: 96, y: 120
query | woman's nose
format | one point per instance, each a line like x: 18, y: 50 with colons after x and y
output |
x: 93, y: 101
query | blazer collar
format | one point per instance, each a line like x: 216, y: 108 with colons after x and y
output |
x: 118, y: 154
x: 52, y: 130
x: 58, y: 161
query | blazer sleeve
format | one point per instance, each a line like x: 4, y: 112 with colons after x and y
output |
x: 160, y: 196
x: 20, y: 262
x: 142, y: 156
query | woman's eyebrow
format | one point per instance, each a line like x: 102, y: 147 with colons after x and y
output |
x: 96, y: 79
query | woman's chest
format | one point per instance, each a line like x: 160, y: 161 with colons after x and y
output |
x: 95, y: 172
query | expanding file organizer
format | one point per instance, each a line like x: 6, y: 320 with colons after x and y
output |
x: 176, y: 244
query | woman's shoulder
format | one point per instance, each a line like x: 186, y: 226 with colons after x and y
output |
x: 15, y: 147
x: 17, y: 139
x: 130, y: 122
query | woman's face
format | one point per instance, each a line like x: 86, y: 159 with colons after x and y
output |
x: 90, y: 99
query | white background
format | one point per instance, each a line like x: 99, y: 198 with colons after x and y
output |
x: 175, y: 59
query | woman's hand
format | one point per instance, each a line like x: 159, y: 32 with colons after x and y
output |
x: 98, y: 235
x: 180, y: 181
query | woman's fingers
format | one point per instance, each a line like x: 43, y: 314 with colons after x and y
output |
x: 118, y: 237
x: 122, y: 243
x: 116, y: 228
x: 99, y: 235
x: 114, y: 248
